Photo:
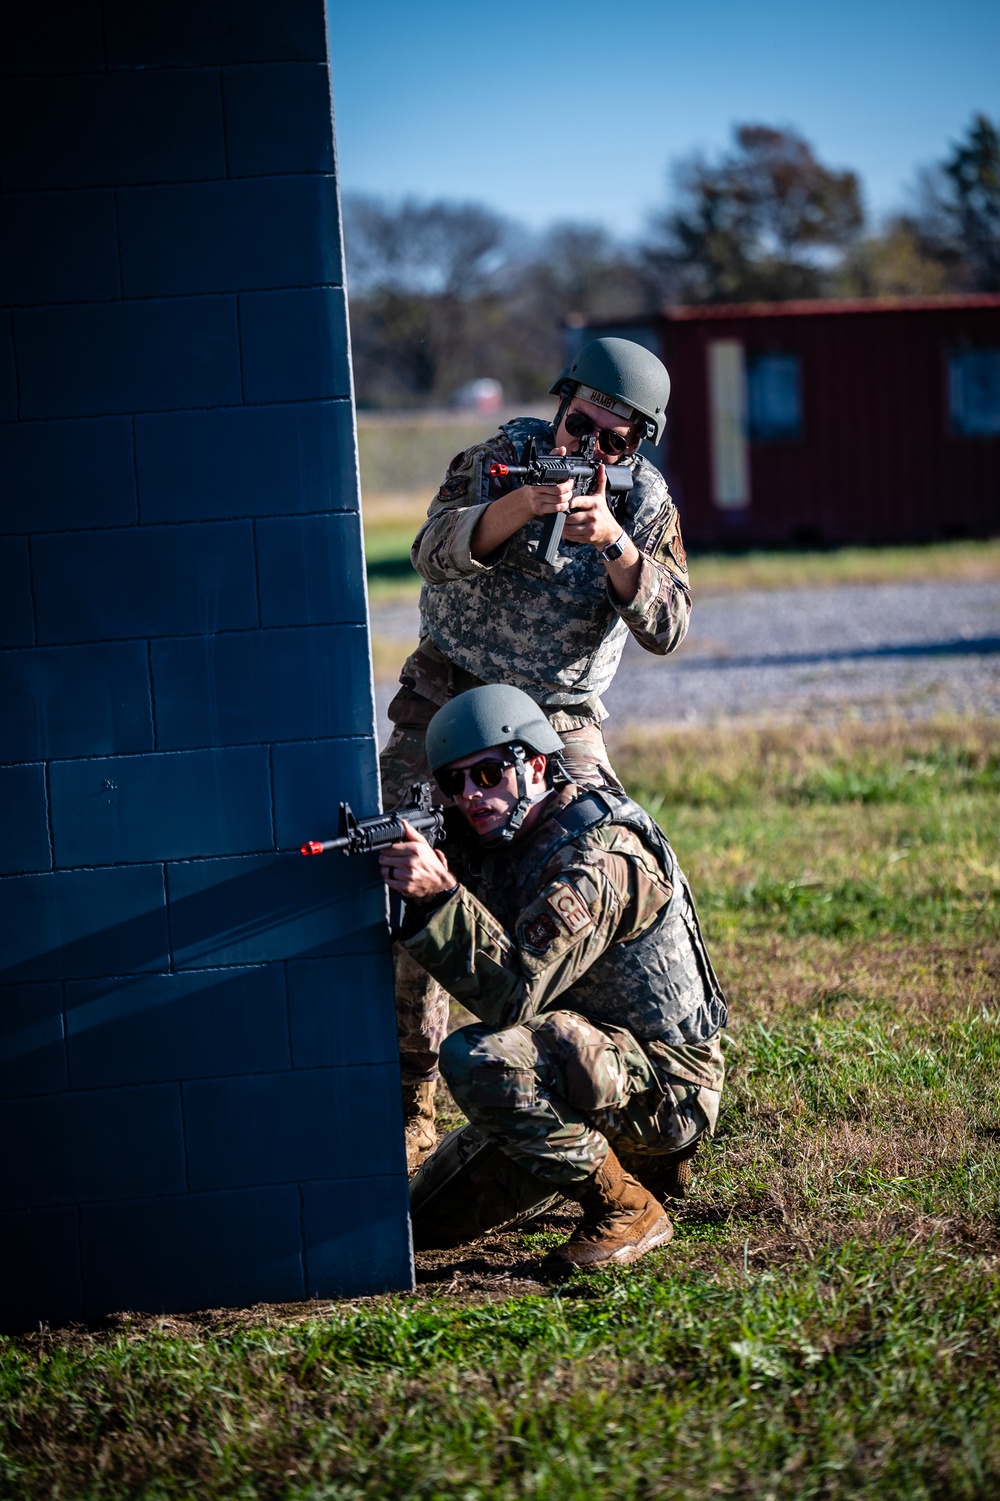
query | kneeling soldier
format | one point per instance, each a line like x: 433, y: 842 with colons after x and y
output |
x: 568, y: 928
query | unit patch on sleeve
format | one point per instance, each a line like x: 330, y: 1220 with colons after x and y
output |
x: 539, y: 932
x: 570, y: 908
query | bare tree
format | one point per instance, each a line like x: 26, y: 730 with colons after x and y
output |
x: 424, y: 280
x: 441, y: 293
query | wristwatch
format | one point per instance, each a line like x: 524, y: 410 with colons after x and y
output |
x: 614, y: 549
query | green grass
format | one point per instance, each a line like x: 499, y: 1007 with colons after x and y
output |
x: 403, y: 459
x: 891, y: 831
x: 826, y: 1322
x: 392, y: 520
x: 849, y: 1371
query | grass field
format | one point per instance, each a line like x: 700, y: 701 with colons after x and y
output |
x: 392, y: 520
x: 826, y: 1322
x: 404, y: 456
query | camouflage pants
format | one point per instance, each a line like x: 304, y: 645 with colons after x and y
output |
x: 421, y: 1004
x: 555, y: 1092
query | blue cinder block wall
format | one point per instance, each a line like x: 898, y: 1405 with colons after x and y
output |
x: 199, y: 1090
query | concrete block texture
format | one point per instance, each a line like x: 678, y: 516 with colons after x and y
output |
x: 257, y: 908
x: 356, y: 1237
x: 111, y: 129
x: 193, y: 1018
x: 58, y: 247
x: 82, y: 922
x: 96, y: 360
x: 17, y: 627
x: 88, y: 700
x: 311, y: 570
x: 312, y: 778
x: 190, y: 33
x: 24, y: 826
x: 201, y: 1250
x: 42, y: 1281
x: 294, y: 1126
x: 334, y: 1011
x: 173, y: 806
x: 62, y: 476
x: 229, y: 236
x: 261, y: 686
x: 141, y: 1029
x: 278, y: 119
x: 54, y: 38
x: 32, y: 1044
x: 295, y: 344
x: 145, y: 581
x: 246, y: 461
x: 92, y: 1144
x: 8, y: 374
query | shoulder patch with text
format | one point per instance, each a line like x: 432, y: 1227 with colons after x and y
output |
x: 570, y: 908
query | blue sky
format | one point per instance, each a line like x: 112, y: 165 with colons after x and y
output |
x: 574, y: 110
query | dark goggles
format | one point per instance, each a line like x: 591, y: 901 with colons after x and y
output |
x: 579, y: 425
x: 483, y: 774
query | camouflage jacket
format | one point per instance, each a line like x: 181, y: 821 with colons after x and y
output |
x: 558, y: 632
x: 600, y: 922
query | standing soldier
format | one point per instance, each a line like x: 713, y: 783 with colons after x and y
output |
x: 492, y: 610
x: 569, y: 930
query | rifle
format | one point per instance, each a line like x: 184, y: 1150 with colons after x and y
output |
x: 551, y: 469
x: 360, y: 836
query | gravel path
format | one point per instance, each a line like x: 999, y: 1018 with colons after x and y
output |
x: 869, y: 650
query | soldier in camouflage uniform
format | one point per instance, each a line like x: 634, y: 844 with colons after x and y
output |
x: 492, y: 610
x: 569, y: 930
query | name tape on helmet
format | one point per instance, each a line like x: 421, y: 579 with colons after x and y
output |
x: 600, y: 399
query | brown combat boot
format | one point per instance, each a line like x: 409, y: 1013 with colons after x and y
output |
x: 667, y: 1176
x: 621, y: 1222
x: 418, y: 1123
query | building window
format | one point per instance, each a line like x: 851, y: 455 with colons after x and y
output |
x: 974, y: 392
x: 774, y: 397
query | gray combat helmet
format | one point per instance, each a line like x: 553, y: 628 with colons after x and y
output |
x: 493, y: 715
x: 625, y: 371
x: 483, y: 717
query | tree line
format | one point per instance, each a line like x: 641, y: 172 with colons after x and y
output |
x: 441, y: 292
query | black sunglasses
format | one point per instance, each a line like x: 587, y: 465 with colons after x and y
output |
x: 483, y: 774
x: 579, y: 425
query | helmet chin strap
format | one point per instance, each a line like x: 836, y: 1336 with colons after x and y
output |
x: 563, y: 407
x: 525, y: 799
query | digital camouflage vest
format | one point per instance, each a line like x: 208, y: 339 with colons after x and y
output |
x: 550, y: 630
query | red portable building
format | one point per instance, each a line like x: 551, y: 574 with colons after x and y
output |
x: 832, y: 421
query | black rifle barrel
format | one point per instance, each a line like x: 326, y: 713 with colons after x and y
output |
x: 375, y: 833
x: 547, y: 471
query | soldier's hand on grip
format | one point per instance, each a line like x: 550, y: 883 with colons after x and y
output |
x: 414, y: 868
x: 544, y: 500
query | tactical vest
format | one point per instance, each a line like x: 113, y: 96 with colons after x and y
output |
x: 550, y: 630
x: 659, y: 985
